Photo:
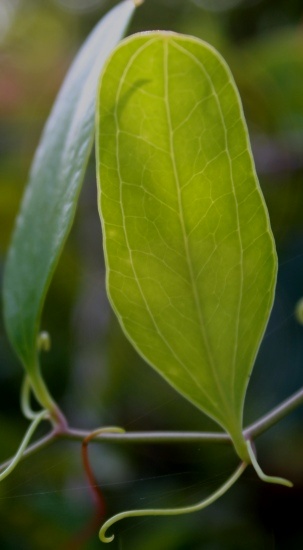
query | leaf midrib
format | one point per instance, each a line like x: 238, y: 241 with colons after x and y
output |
x: 184, y: 235
x: 183, y: 365
x: 196, y: 60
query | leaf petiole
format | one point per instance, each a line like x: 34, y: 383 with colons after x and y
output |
x: 25, y: 399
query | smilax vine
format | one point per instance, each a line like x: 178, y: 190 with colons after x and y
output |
x: 190, y: 256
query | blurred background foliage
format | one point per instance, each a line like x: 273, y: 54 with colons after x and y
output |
x: 93, y: 372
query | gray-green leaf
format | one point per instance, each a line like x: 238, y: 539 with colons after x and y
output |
x: 191, y: 261
x: 56, y: 177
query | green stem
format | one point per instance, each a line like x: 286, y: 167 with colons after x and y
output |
x: 173, y: 511
x: 34, y: 381
x: 239, y: 442
x: 44, y: 397
x: 25, y: 399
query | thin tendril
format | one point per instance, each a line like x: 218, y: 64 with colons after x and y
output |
x: 264, y: 477
x: 80, y: 539
x: 95, y: 489
x: 25, y: 400
x: 172, y: 511
x: 18, y: 456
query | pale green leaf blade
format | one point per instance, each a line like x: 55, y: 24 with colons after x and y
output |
x: 55, y: 181
x: 191, y: 261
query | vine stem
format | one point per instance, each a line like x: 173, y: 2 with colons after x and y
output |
x: 255, y: 429
x: 275, y: 415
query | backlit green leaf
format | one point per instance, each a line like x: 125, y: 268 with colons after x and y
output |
x: 191, y: 261
x: 56, y: 177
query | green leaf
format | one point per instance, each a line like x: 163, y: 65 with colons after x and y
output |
x: 50, y: 201
x: 191, y: 261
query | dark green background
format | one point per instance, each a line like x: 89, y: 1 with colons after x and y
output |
x: 92, y: 371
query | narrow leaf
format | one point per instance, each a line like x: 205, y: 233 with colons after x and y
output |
x: 55, y: 181
x: 191, y: 261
